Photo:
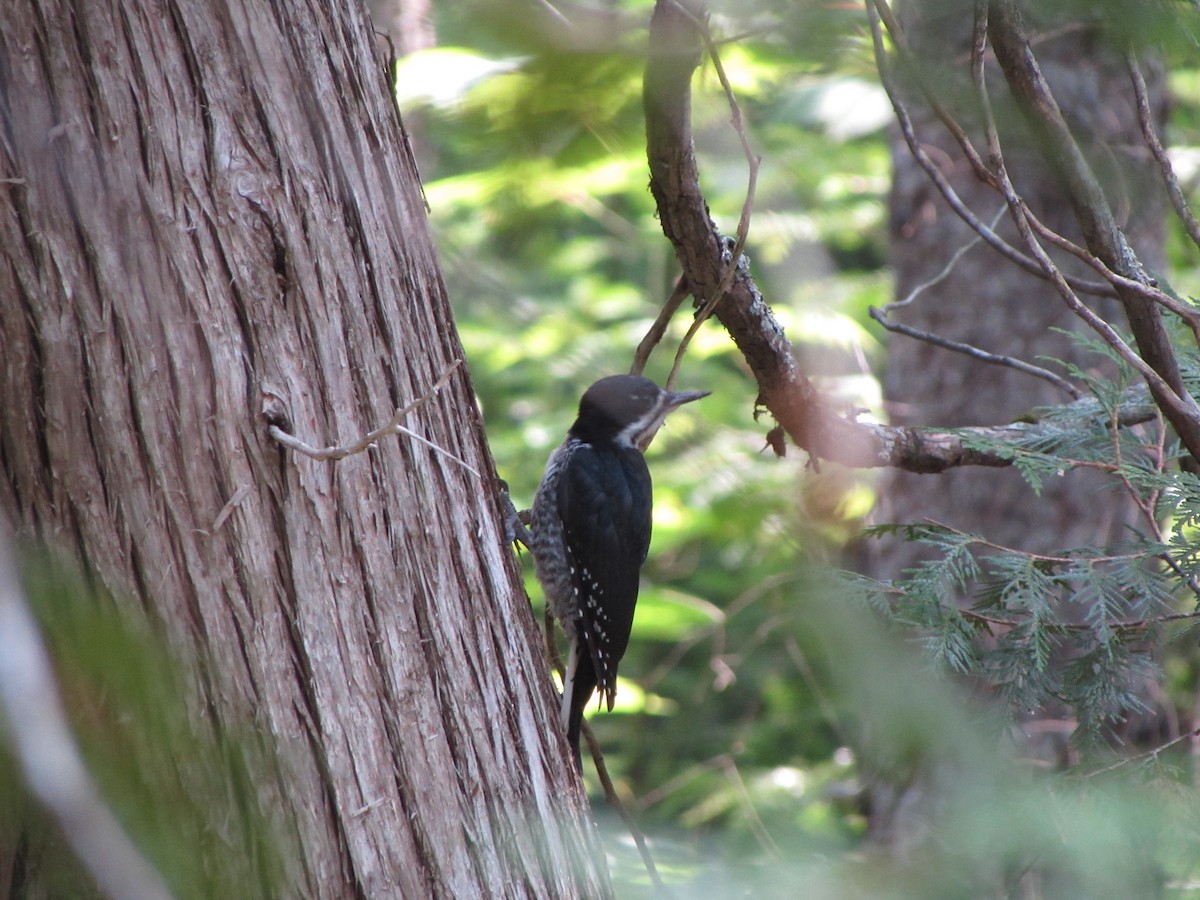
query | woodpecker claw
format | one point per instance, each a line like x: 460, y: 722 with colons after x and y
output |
x: 516, y: 531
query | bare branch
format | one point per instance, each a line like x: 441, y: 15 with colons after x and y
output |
x: 944, y: 273
x: 36, y: 727
x: 974, y: 352
x: 757, y: 827
x: 882, y: 317
x: 659, y: 327
x: 341, y: 451
x: 1096, y: 221
x: 1160, y: 154
x: 931, y: 169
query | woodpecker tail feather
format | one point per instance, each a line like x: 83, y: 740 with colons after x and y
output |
x: 578, y: 685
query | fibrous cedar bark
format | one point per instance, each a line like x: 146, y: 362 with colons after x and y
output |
x: 209, y: 220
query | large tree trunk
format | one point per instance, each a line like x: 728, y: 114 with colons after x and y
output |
x: 992, y: 304
x: 210, y: 218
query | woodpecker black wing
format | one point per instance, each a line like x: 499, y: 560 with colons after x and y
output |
x: 604, y: 501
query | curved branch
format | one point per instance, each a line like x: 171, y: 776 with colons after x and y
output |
x: 704, y: 254
x: 675, y: 47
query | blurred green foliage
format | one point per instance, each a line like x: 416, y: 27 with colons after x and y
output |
x: 750, y: 676
x: 183, y: 793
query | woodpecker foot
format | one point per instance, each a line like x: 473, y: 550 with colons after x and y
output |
x: 516, y: 529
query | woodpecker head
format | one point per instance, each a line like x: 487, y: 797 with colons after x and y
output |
x: 627, y: 409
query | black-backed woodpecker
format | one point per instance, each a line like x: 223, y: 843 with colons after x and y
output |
x: 591, y: 531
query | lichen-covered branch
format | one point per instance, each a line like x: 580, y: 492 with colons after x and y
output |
x: 675, y: 47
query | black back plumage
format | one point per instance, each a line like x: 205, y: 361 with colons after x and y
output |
x: 604, y: 499
x: 591, y: 530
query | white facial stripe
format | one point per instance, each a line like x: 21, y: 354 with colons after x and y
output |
x: 631, y: 434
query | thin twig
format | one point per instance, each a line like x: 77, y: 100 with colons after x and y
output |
x: 614, y: 800
x: 35, y: 725
x: 946, y: 270
x: 341, y: 451
x: 1050, y: 558
x: 659, y: 328
x: 976, y: 353
x: 555, y: 13
x: 682, y: 780
x: 934, y: 173
x: 1160, y: 154
x: 1148, y: 755
x: 756, y: 823
x: 824, y: 702
x: 610, y: 791
x: 1130, y: 625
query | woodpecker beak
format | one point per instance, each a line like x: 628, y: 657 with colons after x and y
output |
x: 676, y: 399
x: 671, y: 401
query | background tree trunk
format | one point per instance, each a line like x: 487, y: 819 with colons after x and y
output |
x: 208, y: 212
x: 992, y: 304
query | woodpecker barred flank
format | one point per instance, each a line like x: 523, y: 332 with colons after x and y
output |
x: 591, y: 531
